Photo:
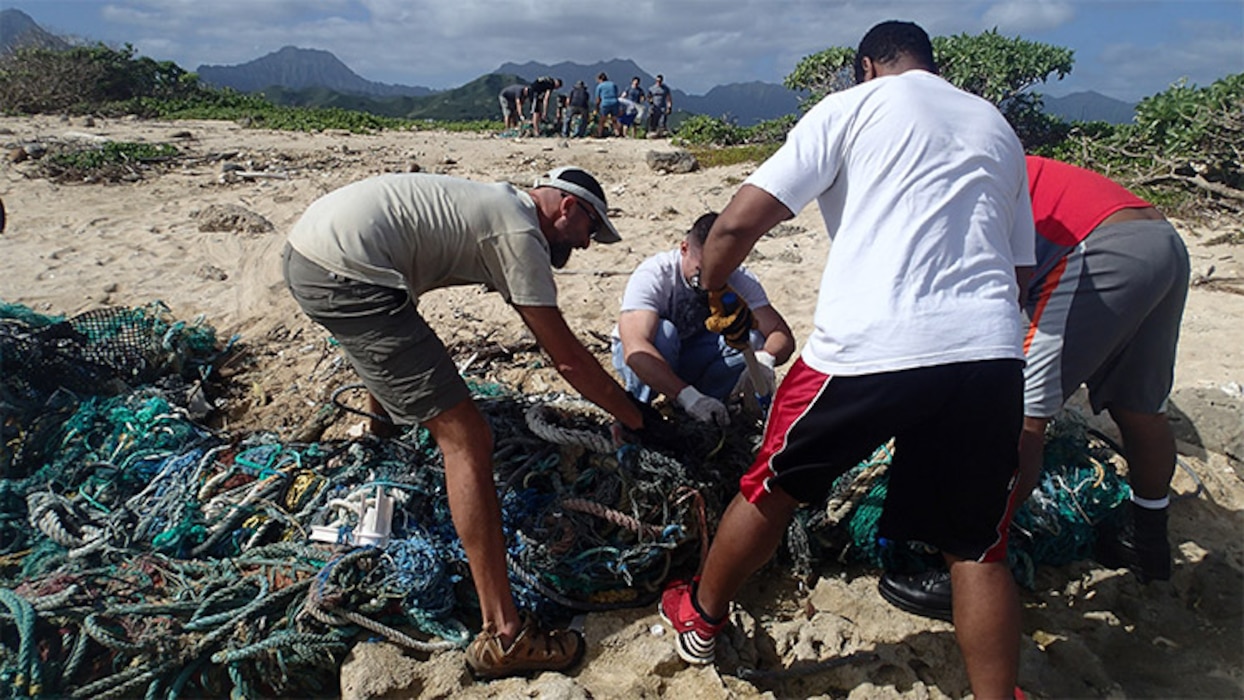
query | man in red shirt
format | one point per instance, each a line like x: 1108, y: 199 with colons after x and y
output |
x: 1105, y: 304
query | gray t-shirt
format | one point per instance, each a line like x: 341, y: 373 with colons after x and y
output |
x: 658, y: 285
x: 421, y: 232
x: 658, y: 94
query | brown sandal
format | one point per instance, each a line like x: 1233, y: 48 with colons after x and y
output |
x: 532, y: 650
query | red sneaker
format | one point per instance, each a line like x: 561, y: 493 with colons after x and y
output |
x: 697, y: 637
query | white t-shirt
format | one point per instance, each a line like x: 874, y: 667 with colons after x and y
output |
x: 924, y: 194
x: 658, y: 285
x: 422, y: 232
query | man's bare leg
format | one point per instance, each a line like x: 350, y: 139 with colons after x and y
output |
x: 1031, y: 454
x: 987, y: 625
x: 466, y: 442
x: 1149, y: 446
x: 748, y: 536
x: 379, y: 423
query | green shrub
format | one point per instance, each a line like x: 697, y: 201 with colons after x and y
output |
x: 112, y: 161
x: 1182, y: 153
x: 700, y: 130
x: 710, y: 156
x: 38, y: 80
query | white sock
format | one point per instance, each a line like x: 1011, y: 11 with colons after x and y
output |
x: 1152, y: 503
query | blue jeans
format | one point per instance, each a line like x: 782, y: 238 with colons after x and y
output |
x: 702, y: 360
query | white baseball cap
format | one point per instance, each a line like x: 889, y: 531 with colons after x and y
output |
x: 580, y: 183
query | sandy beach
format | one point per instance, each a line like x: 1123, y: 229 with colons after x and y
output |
x: 1088, y: 631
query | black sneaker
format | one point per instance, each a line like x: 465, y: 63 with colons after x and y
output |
x: 1141, y: 545
x: 927, y: 594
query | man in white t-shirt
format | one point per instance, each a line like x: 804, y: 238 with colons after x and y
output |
x: 917, y: 336
x: 357, y: 262
x: 661, y: 345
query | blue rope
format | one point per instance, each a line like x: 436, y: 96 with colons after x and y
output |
x: 26, y: 674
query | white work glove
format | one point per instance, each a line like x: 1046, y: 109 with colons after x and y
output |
x: 703, y: 408
x: 768, y: 378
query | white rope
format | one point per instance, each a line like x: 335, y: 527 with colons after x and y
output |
x: 541, y: 421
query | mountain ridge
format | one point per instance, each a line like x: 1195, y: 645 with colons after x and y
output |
x: 297, y: 68
x: 19, y: 30
x: 1089, y: 106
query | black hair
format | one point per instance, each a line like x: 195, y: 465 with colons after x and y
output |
x: 699, y: 230
x: 888, y: 41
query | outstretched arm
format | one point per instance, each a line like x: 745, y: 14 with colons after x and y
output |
x: 577, y: 365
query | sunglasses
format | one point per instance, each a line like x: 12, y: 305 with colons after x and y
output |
x: 591, y: 215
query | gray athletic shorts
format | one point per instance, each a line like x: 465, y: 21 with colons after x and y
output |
x: 393, y: 350
x: 508, y: 107
x: 1107, y: 316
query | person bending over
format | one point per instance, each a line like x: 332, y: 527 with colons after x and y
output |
x: 357, y: 262
x: 1108, y: 296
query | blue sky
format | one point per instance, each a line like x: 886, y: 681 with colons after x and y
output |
x: 1127, y: 49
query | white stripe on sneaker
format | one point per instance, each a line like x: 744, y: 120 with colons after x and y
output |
x: 695, y: 649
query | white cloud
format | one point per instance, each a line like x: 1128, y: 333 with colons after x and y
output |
x: 697, y: 44
x: 1027, y: 16
x: 1200, y: 52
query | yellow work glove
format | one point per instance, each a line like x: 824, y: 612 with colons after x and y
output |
x: 730, y: 316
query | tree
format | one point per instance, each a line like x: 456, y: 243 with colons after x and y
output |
x: 822, y: 73
x: 1184, y: 139
x: 1000, y: 69
x: 83, y: 78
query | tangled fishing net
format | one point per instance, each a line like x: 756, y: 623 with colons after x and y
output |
x: 141, y: 552
x: 1079, y: 492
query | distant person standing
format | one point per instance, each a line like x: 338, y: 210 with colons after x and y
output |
x: 639, y: 98
x: 661, y: 103
x: 511, y: 100
x: 541, y: 88
x: 607, y: 106
x: 580, y: 106
x: 628, y: 114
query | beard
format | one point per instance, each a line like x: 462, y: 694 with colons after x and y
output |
x: 559, y: 254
